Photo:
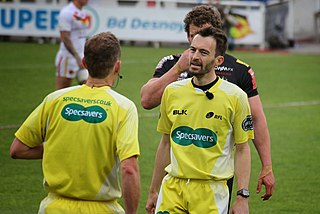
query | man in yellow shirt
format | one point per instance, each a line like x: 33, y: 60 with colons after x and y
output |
x: 85, y: 134
x: 202, y: 119
x: 175, y: 67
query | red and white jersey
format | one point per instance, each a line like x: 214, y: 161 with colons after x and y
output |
x: 77, y: 22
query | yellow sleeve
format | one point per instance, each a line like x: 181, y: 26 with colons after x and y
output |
x: 243, y: 126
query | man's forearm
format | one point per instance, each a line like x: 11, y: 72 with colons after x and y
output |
x: 243, y: 165
x: 262, y: 143
x: 65, y: 38
x: 152, y: 91
x: 261, y: 134
x: 131, y: 193
x: 130, y: 185
x: 162, y: 160
x: 242, y: 173
x: 68, y: 44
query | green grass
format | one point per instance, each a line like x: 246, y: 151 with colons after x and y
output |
x: 27, y: 75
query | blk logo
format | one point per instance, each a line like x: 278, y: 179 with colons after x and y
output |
x: 179, y: 112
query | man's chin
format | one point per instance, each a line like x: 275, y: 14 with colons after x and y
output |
x: 194, y: 69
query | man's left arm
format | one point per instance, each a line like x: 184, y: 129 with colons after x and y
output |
x: 262, y: 144
x: 19, y: 150
x: 130, y: 178
x: 242, y: 173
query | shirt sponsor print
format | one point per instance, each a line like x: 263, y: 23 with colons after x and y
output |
x: 201, y: 137
x: 91, y: 114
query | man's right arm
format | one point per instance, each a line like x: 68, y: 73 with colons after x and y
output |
x: 162, y: 160
x: 152, y: 91
x: 65, y: 38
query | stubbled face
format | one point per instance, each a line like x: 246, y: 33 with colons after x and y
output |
x: 202, y: 55
x: 194, y: 29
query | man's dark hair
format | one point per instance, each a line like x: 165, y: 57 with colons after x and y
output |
x: 101, y: 53
x: 220, y: 37
x: 201, y: 15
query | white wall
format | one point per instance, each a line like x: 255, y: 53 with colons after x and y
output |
x: 301, y: 23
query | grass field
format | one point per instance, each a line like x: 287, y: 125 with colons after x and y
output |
x: 288, y: 85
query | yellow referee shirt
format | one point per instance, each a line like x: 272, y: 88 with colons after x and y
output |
x: 203, y: 131
x: 87, y: 133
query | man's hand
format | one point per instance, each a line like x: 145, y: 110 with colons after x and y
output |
x: 151, y: 203
x: 240, y: 206
x: 266, y: 178
x: 183, y: 62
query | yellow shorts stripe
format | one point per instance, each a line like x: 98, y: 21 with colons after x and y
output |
x: 54, y: 204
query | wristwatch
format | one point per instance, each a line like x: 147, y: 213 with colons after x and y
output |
x: 244, y: 193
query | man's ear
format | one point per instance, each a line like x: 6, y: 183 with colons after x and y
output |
x: 219, y: 60
x: 84, y: 63
x: 117, y: 66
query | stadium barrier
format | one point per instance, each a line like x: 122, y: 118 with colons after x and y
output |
x: 130, y: 23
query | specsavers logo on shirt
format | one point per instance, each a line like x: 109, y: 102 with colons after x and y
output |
x: 185, y: 136
x: 91, y: 114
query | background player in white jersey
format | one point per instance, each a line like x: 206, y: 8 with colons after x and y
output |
x: 73, y: 25
x: 175, y: 67
x: 202, y: 119
x: 81, y: 132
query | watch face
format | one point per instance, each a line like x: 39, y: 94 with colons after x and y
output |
x: 244, y: 193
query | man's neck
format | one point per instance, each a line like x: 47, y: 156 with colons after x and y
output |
x: 207, y: 86
x: 94, y: 82
x: 204, y: 79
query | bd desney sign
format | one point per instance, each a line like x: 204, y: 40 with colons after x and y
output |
x: 127, y: 23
